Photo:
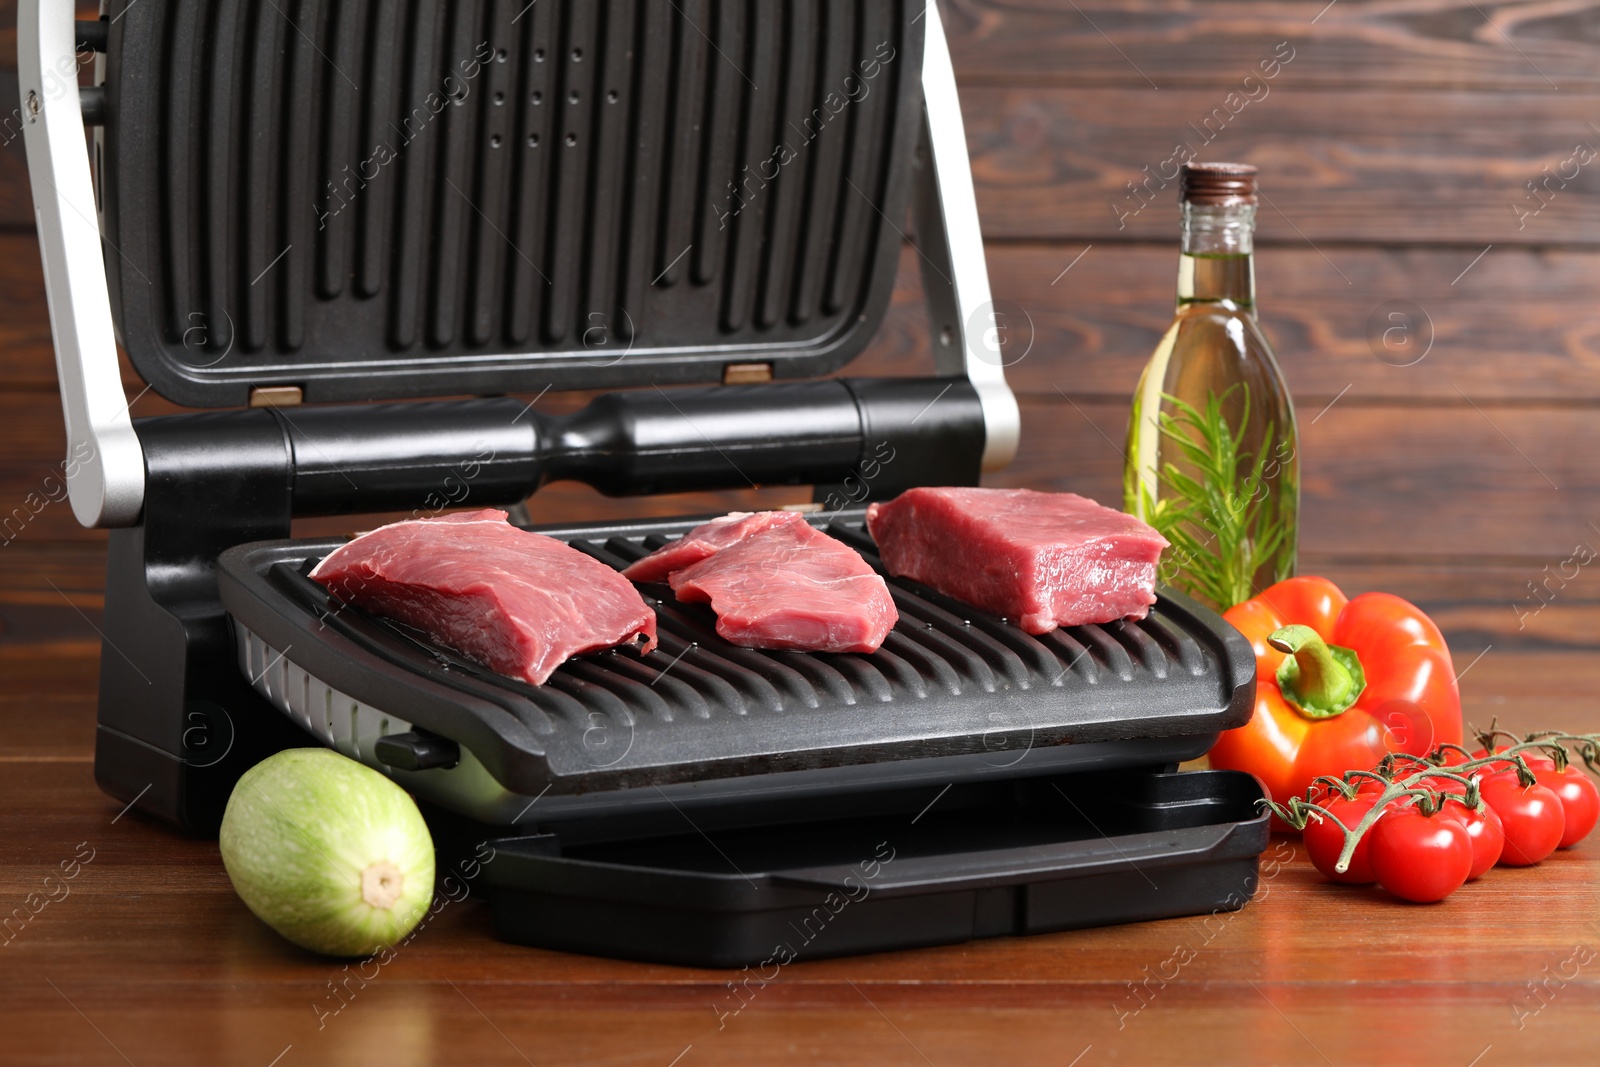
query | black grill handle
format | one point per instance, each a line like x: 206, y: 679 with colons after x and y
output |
x: 874, y: 437
x: 416, y: 750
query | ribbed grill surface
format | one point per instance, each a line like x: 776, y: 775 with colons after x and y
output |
x: 309, y: 186
x: 938, y: 646
x: 949, y: 679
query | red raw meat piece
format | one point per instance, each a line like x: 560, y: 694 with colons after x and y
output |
x: 706, y: 540
x: 1044, y: 559
x: 519, y: 602
x: 792, y: 587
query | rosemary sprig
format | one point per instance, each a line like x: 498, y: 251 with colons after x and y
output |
x: 1223, y: 518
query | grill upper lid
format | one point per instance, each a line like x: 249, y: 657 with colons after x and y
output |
x: 377, y: 199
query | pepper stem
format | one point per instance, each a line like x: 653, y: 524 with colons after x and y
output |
x: 1318, y: 680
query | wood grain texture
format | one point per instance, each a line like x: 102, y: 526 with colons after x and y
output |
x: 1453, y: 44
x: 1451, y: 480
x: 150, y: 956
x: 27, y: 355
x: 1518, y: 324
x: 85, y: 9
x: 1458, y: 479
x: 1337, y: 165
x: 16, y: 197
x: 1345, y: 156
x: 51, y: 599
x: 1392, y: 146
x: 1438, y: 43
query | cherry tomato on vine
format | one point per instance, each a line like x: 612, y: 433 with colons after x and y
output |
x: 1406, y: 766
x: 1532, y: 817
x: 1506, y: 768
x: 1487, y: 834
x: 1324, y: 840
x: 1531, y: 758
x: 1418, y: 857
x: 1580, y: 801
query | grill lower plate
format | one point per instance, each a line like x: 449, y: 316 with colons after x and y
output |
x: 953, y: 693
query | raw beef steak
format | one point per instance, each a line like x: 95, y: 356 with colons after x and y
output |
x: 518, y: 602
x: 792, y: 587
x: 706, y: 540
x: 1044, y: 559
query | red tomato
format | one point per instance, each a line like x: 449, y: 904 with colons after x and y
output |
x: 1443, y: 785
x: 1324, y: 841
x: 1533, y: 818
x: 1507, y: 769
x: 1420, y: 858
x: 1535, y: 763
x: 1487, y: 834
x: 1531, y: 757
x: 1580, y: 801
x: 1404, y: 766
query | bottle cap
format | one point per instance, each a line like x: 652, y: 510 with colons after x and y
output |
x: 1218, y: 183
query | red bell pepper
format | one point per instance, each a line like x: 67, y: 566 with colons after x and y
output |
x: 1339, y: 683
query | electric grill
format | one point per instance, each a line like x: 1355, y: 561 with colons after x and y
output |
x: 310, y: 204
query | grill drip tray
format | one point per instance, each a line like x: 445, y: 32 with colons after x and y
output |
x: 904, y: 870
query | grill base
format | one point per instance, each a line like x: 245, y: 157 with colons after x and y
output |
x: 716, y: 806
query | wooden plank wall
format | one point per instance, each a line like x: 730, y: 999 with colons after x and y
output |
x: 1397, y: 141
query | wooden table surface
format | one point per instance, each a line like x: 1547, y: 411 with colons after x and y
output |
x: 147, y: 957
